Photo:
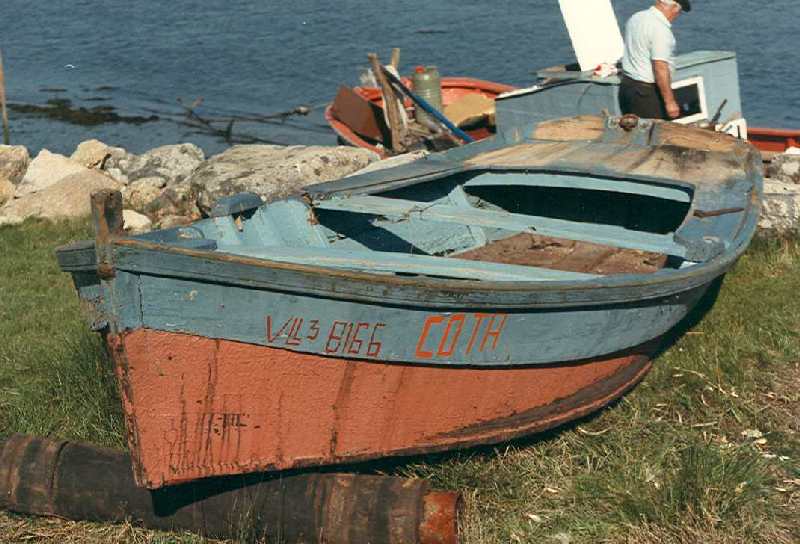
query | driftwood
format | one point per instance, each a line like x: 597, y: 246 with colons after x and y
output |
x: 82, y: 482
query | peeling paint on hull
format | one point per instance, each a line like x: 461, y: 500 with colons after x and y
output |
x: 199, y: 407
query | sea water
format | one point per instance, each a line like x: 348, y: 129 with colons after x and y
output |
x: 245, y: 58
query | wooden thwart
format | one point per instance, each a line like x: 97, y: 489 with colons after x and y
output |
x: 586, y: 232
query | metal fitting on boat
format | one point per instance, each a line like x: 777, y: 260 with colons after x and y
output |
x: 629, y: 122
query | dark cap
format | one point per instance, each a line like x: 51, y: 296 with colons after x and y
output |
x: 685, y: 5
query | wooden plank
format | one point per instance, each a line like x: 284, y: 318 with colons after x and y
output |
x: 361, y: 115
x: 459, y: 199
x: 586, y: 232
x: 389, y: 104
x: 377, y: 261
x: 290, y: 223
x: 212, y: 266
x: 581, y: 182
x: 406, y: 332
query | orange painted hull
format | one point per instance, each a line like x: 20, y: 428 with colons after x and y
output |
x: 773, y: 139
x: 453, y: 88
x: 197, y: 407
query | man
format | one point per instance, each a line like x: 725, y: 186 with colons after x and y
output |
x: 649, y: 60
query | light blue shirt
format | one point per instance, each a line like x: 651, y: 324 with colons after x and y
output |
x: 648, y: 37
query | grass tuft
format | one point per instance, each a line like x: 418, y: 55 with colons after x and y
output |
x: 699, y: 484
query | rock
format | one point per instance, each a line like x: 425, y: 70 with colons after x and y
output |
x: 274, y: 171
x: 140, y: 193
x: 170, y: 221
x: 781, y: 207
x: 45, y: 170
x: 117, y: 164
x: 66, y: 198
x: 173, y: 163
x: 785, y: 168
x: 180, y: 200
x: 91, y: 154
x: 14, y: 160
x: 135, y: 223
x: 6, y: 191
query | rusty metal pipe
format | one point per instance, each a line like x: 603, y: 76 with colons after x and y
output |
x: 83, y: 482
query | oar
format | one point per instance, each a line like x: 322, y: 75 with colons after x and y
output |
x: 422, y: 103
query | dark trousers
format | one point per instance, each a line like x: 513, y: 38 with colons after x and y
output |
x: 642, y: 99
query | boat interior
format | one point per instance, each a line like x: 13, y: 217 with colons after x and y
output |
x: 492, y: 225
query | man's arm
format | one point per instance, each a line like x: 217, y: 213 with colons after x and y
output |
x: 664, y: 83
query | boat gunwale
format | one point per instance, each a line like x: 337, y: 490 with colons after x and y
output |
x: 432, y: 292
x: 425, y: 291
x: 364, y: 184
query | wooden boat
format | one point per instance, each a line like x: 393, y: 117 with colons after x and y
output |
x: 346, y: 119
x: 467, y: 298
x: 565, y: 92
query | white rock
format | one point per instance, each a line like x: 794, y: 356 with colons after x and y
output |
x: 780, y: 211
x: 784, y: 168
x: 47, y: 169
x: 135, y: 223
x: 6, y: 191
x: 14, y: 160
x: 66, y: 198
x: 117, y: 174
x: 142, y: 192
x: 273, y: 171
x: 91, y: 154
x: 173, y: 163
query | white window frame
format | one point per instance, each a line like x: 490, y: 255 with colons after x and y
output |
x: 701, y: 91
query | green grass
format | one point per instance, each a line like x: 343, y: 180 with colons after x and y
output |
x: 668, y: 463
x: 54, y: 376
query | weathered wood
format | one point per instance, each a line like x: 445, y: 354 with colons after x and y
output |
x: 588, y: 232
x: 388, y: 333
x: 396, y: 58
x: 389, y: 103
x: 83, y: 482
x: 459, y: 199
x: 108, y: 225
x: 378, y: 261
x: 591, y: 183
x: 302, y: 363
x: 148, y: 258
x: 261, y: 408
x: 363, y: 117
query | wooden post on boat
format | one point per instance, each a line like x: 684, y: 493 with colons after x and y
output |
x: 6, y: 136
x: 389, y: 104
x: 108, y: 224
x: 396, y: 58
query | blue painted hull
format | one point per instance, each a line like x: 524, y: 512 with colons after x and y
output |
x: 328, y: 276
